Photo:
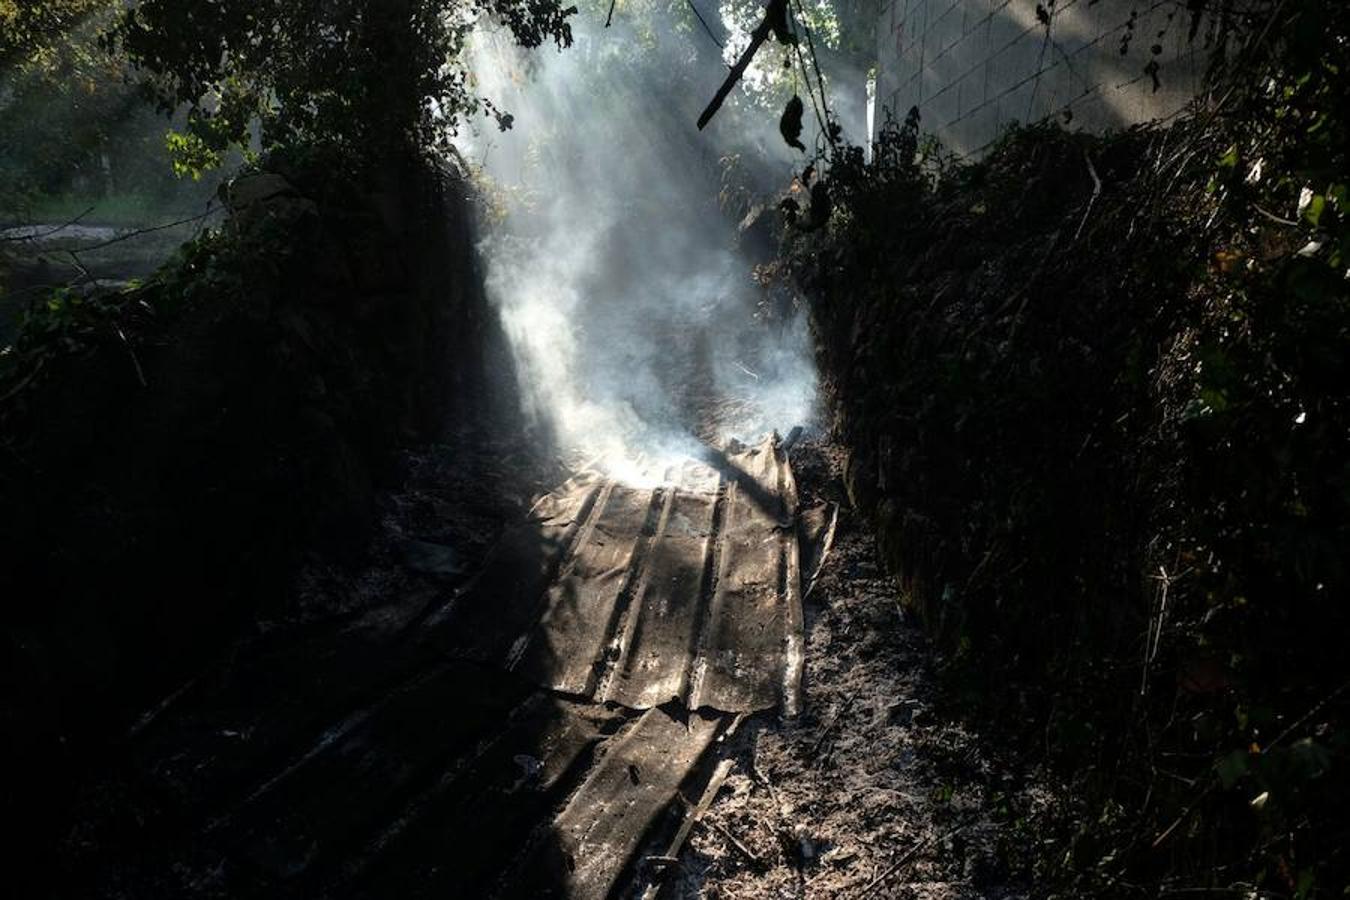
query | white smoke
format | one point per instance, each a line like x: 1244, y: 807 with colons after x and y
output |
x: 630, y: 312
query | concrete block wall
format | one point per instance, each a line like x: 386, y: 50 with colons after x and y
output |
x: 973, y: 67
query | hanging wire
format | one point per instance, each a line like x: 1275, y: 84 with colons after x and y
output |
x: 822, y: 114
x: 819, y: 154
x: 806, y: 76
x: 806, y: 79
x: 704, y: 23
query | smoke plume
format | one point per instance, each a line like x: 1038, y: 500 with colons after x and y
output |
x: 634, y: 318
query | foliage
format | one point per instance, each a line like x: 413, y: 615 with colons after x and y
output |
x: 1096, y: 395
x: 75, y: 127
x: 1266, y: 422
x: 70, y: 323
x: 842, y: 33
x: 57, y: 110
x: 362, y: 76
x: 31, y: 29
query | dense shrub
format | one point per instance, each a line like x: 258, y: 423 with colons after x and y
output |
x: 1095, y: 391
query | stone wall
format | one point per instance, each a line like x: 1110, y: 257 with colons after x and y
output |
x: 973, y: 67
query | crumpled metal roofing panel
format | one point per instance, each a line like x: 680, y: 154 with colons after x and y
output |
x: 680, y: 584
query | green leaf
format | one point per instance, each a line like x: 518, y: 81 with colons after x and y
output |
x: 1232, y: 767
x: 191, y: 155
x: 1313, y: 213
x: 1311, y: 760
x: 1214, y: 400
x: 1337, y: 195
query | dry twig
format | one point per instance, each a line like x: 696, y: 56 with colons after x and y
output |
x: 745, y: 851
x: 131, y: 351
x: 904, y: 858
x: 1209, y: 788
x: 1096, y: 192
x: 834, y: 721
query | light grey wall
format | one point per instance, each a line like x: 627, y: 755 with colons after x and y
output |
x: 973, y: 67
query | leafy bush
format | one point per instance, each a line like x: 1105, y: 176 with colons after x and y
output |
x: 1095, y: 390
x: 360, y: 76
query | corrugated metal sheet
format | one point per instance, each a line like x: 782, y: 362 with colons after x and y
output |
x: 680, y: 583
x: 453, y: 781
x: 371, y: 762
x: 592, y: 841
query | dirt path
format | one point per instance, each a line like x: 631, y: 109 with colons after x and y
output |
x: 357, y: 751
x: 871, y: 792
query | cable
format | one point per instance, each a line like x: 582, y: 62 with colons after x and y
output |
x: 704, y: 23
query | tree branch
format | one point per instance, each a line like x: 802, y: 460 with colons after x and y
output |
x: 757, y: 37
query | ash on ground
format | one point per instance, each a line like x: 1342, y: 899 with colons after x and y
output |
x: 873, y: 792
